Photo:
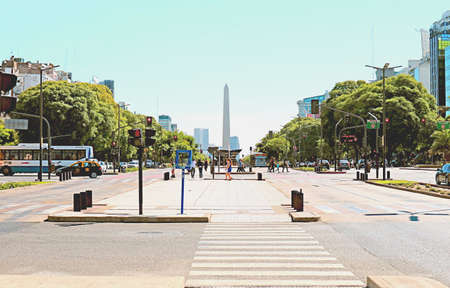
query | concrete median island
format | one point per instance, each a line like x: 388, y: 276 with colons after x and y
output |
x: 416, y: 187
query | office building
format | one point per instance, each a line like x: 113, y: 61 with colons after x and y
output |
x: 109, y: 84
x: 201, y: 136
x: 28, y: 73
x: 447, y: 79
x: 304, y: 105
x: 439, y: 41
x: 234, y: 143
x: 165, y: 121
x: 173, y: 127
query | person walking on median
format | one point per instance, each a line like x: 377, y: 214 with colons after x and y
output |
x: 200, y: 168
x: 227, y: 174
x: 193, y: 168
x: 285, y: 165
x: 206, y: 165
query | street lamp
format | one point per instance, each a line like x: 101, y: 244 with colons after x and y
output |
x: 119, y: 105
x: 335, y: 142
x: 386, y: 66
x: 41, y: 115
x: 376, y: 142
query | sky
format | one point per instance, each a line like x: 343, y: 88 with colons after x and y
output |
x: 174, y: 57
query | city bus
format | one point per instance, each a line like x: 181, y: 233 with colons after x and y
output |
x: 24, y: 158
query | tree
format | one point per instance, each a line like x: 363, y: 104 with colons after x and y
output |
x: 85, y: 111
x: 407, y: 102
x: 441, y: 143
x: 8, y: 136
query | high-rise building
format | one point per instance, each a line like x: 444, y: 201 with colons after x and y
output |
x: 304, y: 105
x: 234, y: 143
x: 226, y: 119
x: 165, y: 121
x: 447, y: 79
x: 109, y: 84
x: 439, y: 41
x: 173, y: 127
x: 201, y: 136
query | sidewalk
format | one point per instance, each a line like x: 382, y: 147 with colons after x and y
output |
x: 220, y: 201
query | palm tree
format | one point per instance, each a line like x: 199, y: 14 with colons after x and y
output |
x: 441, y: 142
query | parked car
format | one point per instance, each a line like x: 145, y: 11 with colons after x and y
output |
x: 302, y: 164
x: 103, y: 166
x: 82, y: 168
x: 310, y: 164
x: 123, y: 165
x: 109, y: 165
x: 149, y: 164
x: 443, y: 175
x: 323, y: 163
x: 133, y: 164
x: 360, y: 164
x: 344, y: 164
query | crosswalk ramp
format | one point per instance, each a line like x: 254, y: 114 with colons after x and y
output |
x: 28, y: 212
x: 264, y: 255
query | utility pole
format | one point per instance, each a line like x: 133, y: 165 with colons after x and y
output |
x: 376, y: 143
x: 118, y: 137
x: 383, y: 69
x: 335, y: 142
x: 140, y: 180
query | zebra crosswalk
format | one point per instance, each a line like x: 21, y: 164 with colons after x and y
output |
x: 28, y: 212
x: 264, y: 255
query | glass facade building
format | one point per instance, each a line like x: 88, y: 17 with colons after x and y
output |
x: 109, y: 84
x: 165, y: 121
x: 439, y: 41
x: 304, y: 105
x: 234, y: 143
x: 201, y: 136
x: 447, y: 78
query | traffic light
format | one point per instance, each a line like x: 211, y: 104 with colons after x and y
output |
x: 175, y: 138
x: 135, y: 137
x: 386, y: 120
x: 7, y: 82
x: 113, y: 144
x: 149, y: 140
x: 423, y: 120
x: 149, y: 120
x: 314, y: 106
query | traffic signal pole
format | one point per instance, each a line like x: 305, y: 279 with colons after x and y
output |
x: 141, y: 196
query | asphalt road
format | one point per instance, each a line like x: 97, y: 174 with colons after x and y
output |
x: 367, y: 228
x: 370, y: 229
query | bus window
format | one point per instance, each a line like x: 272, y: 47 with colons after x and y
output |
x: 12, y: 155
x: 36, y: 154
x: 26, y: 155
x: 81, y: 154
x: 57, y: 155
x: 2, y: 154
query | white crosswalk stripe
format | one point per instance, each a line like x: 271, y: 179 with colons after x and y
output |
x: 276, y: 255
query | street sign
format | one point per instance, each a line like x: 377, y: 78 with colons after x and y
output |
x: 443, y: 125
x: 183, y: 159
x: 18, y: 124
x: 372, y: 124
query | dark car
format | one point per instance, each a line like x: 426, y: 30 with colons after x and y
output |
x: 443, y: 175
x: 323, y: 163
x: 344, y: 164
x: 82, y: 168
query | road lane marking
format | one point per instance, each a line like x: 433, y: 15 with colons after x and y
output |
x: 327, y: 209
x: 273, y: 283
x: 278, y: 253
x: 259, y: 247
x: 258, y: 258
x: 268, y: 273
x: 265, y: 265
x: 231, y: 242
x: 254, y: 237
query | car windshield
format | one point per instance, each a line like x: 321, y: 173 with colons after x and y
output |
x: 446, y: 168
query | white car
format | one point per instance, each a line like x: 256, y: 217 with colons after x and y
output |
x: 103, y: 166
x: 133, y: 164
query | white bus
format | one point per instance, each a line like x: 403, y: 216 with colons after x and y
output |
x: 24, y: 158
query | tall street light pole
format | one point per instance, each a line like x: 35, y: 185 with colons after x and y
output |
x: 41, y: 115
x: 335, y: 142
x: 383, y: 69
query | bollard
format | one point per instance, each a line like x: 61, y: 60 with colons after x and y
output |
x: 83, y: 200
x: 293, y: 197
x: 60, y: 176
x: 166, y: 176
x: 357, y: 175
x: 300, y: 200
x: 366, y: 176
x: 76, y: 202
x: 70, y: 174
x: 388, y: 175
x: 89, y: 198
x: 259, y: 176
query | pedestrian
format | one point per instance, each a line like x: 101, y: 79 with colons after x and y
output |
x: 228, y: 171
x: 193, y: 168
x: 278, y: 166
x: 239, y: 165
x: 200, y: 168
x: 285, y: 165
x: 206, y: 165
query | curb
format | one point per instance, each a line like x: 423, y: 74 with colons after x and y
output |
x: 304, y: 217
x: 410, y: 190
x: 69, y: 281
x: 332, y: 172
x: 402, y: 282
x: 129, y: 219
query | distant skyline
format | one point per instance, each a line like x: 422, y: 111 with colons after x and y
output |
x: 174, y: 57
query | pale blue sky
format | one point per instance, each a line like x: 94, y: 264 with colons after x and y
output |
x: 271, y: 53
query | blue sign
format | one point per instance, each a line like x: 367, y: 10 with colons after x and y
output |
x: 183, y: 159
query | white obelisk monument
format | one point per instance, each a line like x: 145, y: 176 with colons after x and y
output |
x: 226, y: 119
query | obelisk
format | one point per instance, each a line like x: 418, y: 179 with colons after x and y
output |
x: 226, y: 119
